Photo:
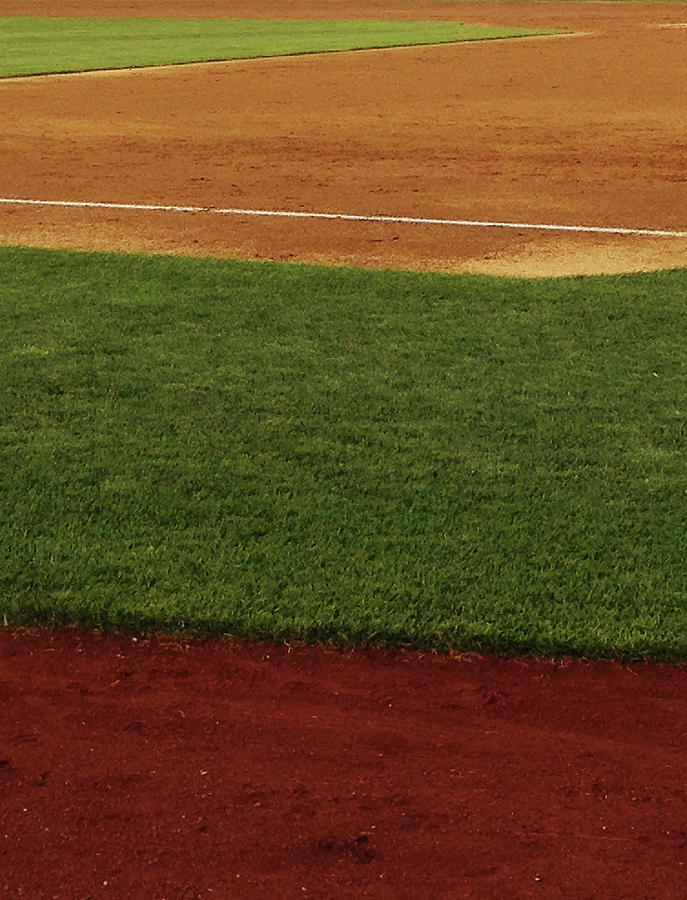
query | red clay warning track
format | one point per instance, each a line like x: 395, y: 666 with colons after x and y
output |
x: 587, y: 129
x: 163, y: 770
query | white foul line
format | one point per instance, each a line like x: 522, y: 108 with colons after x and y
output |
x: 347, y: 217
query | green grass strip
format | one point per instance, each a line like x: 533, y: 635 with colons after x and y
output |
x: 345, y: 456
x: 34, y: 45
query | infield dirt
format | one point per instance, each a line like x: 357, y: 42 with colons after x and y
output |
x: 584, y: 129
x: 160, y: 769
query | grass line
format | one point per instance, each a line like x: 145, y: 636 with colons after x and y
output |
x: 36, y: 45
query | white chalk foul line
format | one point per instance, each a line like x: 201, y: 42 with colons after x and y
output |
x: 346, y: 217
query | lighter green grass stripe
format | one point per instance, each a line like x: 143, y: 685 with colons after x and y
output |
x: 34, y: 45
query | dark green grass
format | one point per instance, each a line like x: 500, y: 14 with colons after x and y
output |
x: 34, y: 45
x: 296, y: 452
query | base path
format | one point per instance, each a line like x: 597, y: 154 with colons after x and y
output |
x: 182, y: 770
x: 585, y: 129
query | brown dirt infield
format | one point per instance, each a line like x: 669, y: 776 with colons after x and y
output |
x: 589, y: 129
x: 166, y: 770
x: 159, y: 769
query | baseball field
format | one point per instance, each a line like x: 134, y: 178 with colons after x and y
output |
x: 343, y: 445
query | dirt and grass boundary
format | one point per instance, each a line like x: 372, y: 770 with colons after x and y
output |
x: 191, y: 768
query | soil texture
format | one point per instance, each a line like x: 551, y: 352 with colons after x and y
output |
x: 162, y: 769
x: 585, y: 129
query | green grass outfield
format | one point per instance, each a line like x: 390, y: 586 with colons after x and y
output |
x: 34, y: 45
x: 329, y: 454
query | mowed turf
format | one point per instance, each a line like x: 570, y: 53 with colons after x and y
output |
x: 34, y: 45
x: 340, y: 455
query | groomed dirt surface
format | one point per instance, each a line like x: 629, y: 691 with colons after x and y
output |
x: 586, y: 129
x: 165, y: 770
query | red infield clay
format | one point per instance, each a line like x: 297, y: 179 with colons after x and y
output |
x: 585, y: 129
x: 165, y: 770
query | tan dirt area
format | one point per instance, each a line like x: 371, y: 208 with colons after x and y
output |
x: 590, y: 129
